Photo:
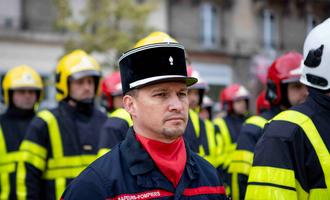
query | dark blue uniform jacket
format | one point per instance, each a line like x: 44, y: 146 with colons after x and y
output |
x: 247, y: 140
x: 285, y: 145
x: 128, y: 172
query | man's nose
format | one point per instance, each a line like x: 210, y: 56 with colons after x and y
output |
x: 87, y: 85
x: 176, y: 103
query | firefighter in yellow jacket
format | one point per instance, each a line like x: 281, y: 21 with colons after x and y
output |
x: 61, y: 142
x: 283, y: 91
x: 22, y: 90
x: 235, y: 101
x: 201, y: 134
x: 292, y: 159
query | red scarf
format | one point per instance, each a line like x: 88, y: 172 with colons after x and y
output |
x: 170, y: 158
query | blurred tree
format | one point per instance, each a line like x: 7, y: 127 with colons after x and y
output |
x: 63, y: 13
x: 104, y: 25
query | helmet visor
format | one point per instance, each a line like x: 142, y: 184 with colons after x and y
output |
x: 81, y: 74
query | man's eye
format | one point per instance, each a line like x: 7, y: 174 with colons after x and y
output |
x: 160, y: 95
x: 182, y: 94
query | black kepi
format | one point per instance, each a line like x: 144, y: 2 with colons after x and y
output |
x: 153, y: 63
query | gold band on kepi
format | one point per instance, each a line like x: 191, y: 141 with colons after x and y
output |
x: 153, y: 63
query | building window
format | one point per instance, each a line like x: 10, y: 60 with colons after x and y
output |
x: 8, y: 22
x: 209, y: 25
x: 269, y: 30
x: 311, y: 22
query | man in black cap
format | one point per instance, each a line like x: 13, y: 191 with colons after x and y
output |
x: 153, y: 162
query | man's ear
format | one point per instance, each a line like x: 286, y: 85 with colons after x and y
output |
x: 129, y: 104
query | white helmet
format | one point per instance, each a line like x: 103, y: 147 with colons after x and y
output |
x: 316, y: 66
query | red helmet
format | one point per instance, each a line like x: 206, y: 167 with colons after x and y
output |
x: 284, y: 69
x: 231, y: 93
x: 262, y: 103
x: 111, y: 86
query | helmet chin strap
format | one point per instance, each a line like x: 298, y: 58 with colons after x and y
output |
x: 20, y: 111
x: 84, y: 106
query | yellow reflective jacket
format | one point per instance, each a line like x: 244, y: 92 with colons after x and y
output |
x: 13, y: 125
x: 292, y: 159
x: 59, y: 144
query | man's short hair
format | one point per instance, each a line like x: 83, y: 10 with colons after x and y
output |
x: 133, y: 93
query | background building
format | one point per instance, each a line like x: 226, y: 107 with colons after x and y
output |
x: 227, y: 40
x: 235, y: 41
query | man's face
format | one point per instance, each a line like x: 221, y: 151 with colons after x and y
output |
x: 297, y: 93
x: 24, y: 98
x: 159, y: 111
x: 240, y: 106
x: 204, y: 114
x: 82, y: 89
x: 193, y: 96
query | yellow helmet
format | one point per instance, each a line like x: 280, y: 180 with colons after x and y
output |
x: 155, y: 37
x: 158, y: 37
x: 21, y: 77
x: 75, y: 65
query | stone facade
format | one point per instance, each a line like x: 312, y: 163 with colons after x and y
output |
x: 247, y: 33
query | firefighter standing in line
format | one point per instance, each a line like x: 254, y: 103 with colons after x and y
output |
x: 235, y: 100
x: 197, y: 91
x: 206, y: 108
x: 200, y: 134
x: 292, y: 159
x: 61, y: 142
x: 153, y: 161
x: 22, y: 90
x: 283, y: 91
x: 115, y: 129
x: 112, y: 93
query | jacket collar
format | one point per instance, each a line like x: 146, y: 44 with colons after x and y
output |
x: 320, y: 98
x: 73, y: 112
x: 14, y: 112
x: 140, y: 163
x: 269, y: 114
x: 138, y: 160
x: 66, y: 108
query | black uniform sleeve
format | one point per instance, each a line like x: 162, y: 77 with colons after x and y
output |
x: 37, y: 132
x: 242, y: 158
x: 87, y: 186
x: 112, y: 132
x: 278, y: 140
x: 249, y: 137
